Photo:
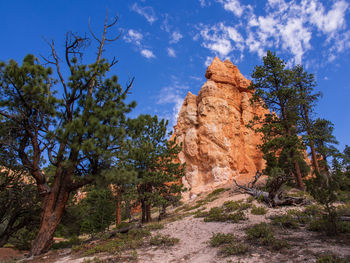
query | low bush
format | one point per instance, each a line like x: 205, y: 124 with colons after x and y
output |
x: 262, y: 235
x: 154, y: 226
x: 159, y: 240
x: 233, y: 249
x: 228, y: 244
x: 258, y: 210
x: 217, y: 214
x: 330, y: 259
x: 285, y: 221
x: 219, y: 238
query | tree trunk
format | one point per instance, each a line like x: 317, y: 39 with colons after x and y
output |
x: 118, y: 208
x: 52, y: 210
x: 3, y: 239
x: 298, y: 176
x: 312, y: 145
x: 148, y: 213
x: 143, y: 212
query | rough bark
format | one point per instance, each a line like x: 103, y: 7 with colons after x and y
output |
x: 274, y: 197
x: 298, y: 176
x: 52, y: 210
x: 118, y: 208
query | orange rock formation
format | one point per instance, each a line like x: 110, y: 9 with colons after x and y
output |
x: 217, y: 145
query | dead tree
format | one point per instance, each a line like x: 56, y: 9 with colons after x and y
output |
x: 275, y: 196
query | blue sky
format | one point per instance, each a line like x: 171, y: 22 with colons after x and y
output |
x: 166, y: 45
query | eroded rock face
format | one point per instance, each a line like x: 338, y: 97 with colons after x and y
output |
x: 217, y: 145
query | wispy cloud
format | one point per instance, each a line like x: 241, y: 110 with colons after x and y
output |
x: 171, y: 52
x: 174, y: 95
x: 291, y: 26
x: 147, y: 12
x: 233, y: 6
x: 175, y: 37
x: 133, y: 36
x: 147, y: 53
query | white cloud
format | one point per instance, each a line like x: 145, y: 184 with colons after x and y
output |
x: 204, y: 3
x: 218, y: 39
x: 208, y: 61
x: 133, y: 36
x: 289, y: 26
x: 147, y: 12
x: 326, y: 22
x: 171, y: 52
x: 147, y: 53
x: 175, y: 95
x: 175, y: 37
x: 233, y: 6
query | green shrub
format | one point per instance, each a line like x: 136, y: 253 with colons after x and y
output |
x: 219, y: 238
x: 262, y: 234
x: 231, y: 206
x: 286, y: 221
x: 330, y: 259
x: 154, y: 226
x: 74, y: 240
x: 218, y: 214
x: 159, y: 240
x: 258, y: 210
x: 216, y: 192
x: 233, y: 249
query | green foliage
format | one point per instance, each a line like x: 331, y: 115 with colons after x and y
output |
x: 153, y: 157
x: 23, y: 238
x: 232, y: 249
x: 281, y: 145
x: 98, y: 208
x: 258, y: 210
x: 262, y: 234
x: 216, y: 192
x: 131, y: 240
x: 72, y: 241
x: 285, y: 221
x: 154, y: 226
x: 20, y: 205
x: 330, y: 259
x: 159, y: 240
x: 219, y: 238
x: 228, y: 244
x: 219, y: 214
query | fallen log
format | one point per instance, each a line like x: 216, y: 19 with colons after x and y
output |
x: 275, y: 197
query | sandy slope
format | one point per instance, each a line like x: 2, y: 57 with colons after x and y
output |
x: 194, y: 235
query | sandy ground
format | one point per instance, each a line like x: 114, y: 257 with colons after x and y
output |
x: 194, y: 235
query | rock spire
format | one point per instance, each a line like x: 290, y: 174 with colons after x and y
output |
x: 217, y: 145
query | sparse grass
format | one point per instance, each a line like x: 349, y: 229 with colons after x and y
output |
x: 216, y: 192
x: 233, y: 249
x: 330, y: 259
x: 285, y: 221
x: 258, y: 210
x: 231, y: 206
x: 218, y: 214
x: 219, y: 239
x: 262, y: 235
x: 154, y: 226
x: 131, y: 240
x: 228, y: 244
x: 65, y: 244
x: 159, y: 240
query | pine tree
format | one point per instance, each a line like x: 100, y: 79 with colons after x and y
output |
x: 79, y: 129
x: 154, y: 159
x: 304, y: 83
x: 281, y: 146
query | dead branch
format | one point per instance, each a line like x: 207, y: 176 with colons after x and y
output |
x: 275, y: 197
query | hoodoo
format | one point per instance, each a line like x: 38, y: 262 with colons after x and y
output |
x: 217, y: 145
